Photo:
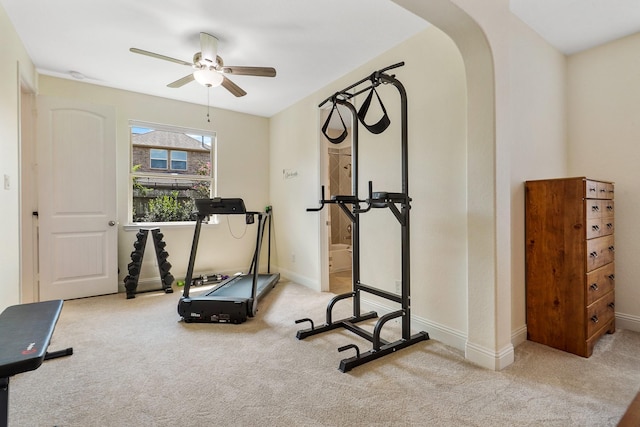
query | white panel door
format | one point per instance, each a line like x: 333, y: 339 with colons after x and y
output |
x: 77, y: 199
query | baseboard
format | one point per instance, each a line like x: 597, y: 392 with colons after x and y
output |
x: 444, y: 334
x: 297, y: 278
x: 484, y: 357
x: 627, y: 321
x: 519, y: 335
x: 487, y: 358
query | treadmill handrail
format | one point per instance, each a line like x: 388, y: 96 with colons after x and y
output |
x: 262, y: 217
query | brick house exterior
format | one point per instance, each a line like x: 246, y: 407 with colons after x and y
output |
x: 197, y: 152
x: 198, y: 159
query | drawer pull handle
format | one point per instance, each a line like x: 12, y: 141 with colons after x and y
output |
x: 594, y: 319
x: 595, y: 227
x: 593, y: 254
x: 595, y: 208
x: 611, y: 305
x: 594, y: 287
x: 592, y: 189
x: 609, y: 208
x: 612, y: 249
x: 612, y: 277
x: 609, y: 226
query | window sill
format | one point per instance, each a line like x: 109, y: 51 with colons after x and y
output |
x: 135, y: 226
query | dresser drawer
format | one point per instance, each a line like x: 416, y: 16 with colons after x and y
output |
x: 598, y: 190
x: 592, y: 208
x: 599, y: 208
x: 600, y: 251
x: 591, y: 189
x: 600, y: 282
x: 607, y: 208
x: 605, y: 190
x: 600, y: 313
x: 607, y: 226
x: 597, y: 227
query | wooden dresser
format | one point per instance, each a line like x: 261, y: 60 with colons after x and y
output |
x: 569, y: 231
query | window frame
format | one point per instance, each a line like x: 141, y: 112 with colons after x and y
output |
x: 185, y: 161
x: 212, y: 179
x: 157, y: 158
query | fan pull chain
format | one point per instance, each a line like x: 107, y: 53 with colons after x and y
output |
x: 208, y: 104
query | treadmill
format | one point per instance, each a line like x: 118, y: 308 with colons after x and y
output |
x: 236, y: 298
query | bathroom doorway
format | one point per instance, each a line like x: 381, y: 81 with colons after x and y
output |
x: 337, y: 179
x: 339, y: 233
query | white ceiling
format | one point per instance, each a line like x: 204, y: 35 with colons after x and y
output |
x: 575, y: 25
x: 310, y: 43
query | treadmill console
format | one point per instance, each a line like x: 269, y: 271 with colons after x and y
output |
x: 220, y: 206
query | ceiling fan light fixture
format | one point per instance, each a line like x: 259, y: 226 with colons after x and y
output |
x: 208, y: 77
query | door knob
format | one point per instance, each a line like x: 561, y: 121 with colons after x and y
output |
x: 112, y: 223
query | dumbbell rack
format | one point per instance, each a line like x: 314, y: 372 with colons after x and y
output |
x: 164, y: 266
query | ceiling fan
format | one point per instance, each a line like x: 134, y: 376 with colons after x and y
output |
x: 209, y: 69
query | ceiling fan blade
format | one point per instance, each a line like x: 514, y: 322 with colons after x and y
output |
x: 157, y: 55
x: 250, y: 71
x: 208, y: 48
x: 233, y: 88
x: 181, y: 82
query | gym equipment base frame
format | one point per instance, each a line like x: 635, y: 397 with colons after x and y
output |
x: 380, y: 347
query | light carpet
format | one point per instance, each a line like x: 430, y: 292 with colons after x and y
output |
x: 136, y: 364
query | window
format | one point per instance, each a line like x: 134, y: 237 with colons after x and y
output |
x: 179, y: 160
x: 158, y: 159
x: 170, y: 168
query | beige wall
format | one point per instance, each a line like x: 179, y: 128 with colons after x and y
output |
x: 13, y: 60
x: 482, y: 33
x: 604, y: 143
x: 433, y: 77
x: 243, y: 165
x: 529, y: 101
x: 501, y: 156
x: 538, y: 149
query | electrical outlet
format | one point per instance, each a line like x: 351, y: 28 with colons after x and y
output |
x: 398, y: 287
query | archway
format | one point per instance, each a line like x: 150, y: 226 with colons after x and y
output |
x: 489, y: 294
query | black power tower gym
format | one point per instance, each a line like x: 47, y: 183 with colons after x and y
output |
x: 353, y: 207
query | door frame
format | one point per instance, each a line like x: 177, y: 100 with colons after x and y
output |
x: 27, y: 192
x: 324, y: 218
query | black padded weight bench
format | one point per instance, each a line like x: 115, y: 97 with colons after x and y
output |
x: 25, y: 333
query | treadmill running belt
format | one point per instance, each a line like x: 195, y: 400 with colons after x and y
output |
x: 240, y: 286
x: 230, y: 302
